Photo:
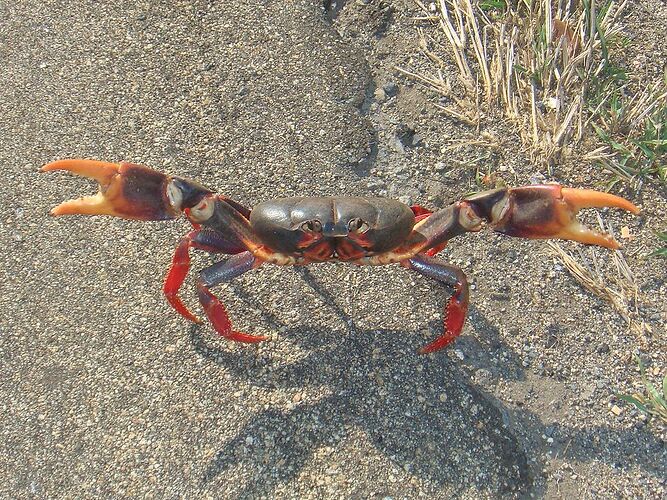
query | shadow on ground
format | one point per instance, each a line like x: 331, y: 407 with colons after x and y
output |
x: 461, y: 438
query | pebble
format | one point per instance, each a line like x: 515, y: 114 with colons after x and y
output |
x: 390, y: 89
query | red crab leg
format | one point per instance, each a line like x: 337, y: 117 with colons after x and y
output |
x: 420, y: 212
x: 456, y: 307
x: 202, y: 239
x: 215, y: 311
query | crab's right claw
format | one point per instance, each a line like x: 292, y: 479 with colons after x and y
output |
x: 127, y: 190
x: 549, y: 211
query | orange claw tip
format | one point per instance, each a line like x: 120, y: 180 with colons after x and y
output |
x: 101, y: 171
x: 588, y: 198
x: 576, y: 231
x: 87, y: 205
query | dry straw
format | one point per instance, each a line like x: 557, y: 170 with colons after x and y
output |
x: 535, y: 64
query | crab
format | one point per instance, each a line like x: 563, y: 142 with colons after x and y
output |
x: 308, y: 230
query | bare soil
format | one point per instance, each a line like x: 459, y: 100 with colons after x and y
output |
x: 105, y: 391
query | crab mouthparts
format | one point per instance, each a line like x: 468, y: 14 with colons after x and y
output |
x: 332, y: 230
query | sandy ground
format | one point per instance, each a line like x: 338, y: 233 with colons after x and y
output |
x: 105, y: 391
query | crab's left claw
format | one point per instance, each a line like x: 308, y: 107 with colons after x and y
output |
x: 128, y: 191
x: 548, y: 211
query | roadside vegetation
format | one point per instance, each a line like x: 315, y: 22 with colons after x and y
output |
x: 549, y: 67
x: 653, y: 401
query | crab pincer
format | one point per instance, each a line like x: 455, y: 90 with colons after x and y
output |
x: 536, y: 212
x: 131, y: 191
x: 546, y: 212
x: 128, y: 191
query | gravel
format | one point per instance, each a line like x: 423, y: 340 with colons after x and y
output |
x: 105, y: 391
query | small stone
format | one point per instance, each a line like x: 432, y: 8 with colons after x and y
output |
x: 616, y: 410
x: 397, y: 145
x: 484, y: 376
x: 537, y: 178
x: 406, y: 135
x: 603, y: 348
x: 380, y: 95
x: 443, y: 397
x: 390, y: 89
x: 552, y: 103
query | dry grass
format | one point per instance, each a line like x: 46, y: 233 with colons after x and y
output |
x: 544, y: 66
x: 653, y: 401
x: 620, y: 290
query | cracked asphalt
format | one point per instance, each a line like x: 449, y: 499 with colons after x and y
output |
x: 106, y: 392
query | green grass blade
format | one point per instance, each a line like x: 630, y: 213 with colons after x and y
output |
x: 634, y: 401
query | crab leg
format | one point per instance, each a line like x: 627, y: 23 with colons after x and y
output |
x: 456, y: 307
x: 215, y: 311
x: 202, y: 239
x: 542, y: 211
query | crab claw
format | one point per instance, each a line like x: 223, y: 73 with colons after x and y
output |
x: 127, y: 190
x: 549, y: 211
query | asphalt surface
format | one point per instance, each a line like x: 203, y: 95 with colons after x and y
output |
x: 106, y: 391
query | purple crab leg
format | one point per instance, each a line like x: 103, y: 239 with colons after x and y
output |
x: 202, y: 239
x: 456, y: 307
x: 223, y: 272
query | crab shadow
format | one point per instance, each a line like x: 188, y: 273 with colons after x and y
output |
x: 389, y: 398
x: 422, y: 413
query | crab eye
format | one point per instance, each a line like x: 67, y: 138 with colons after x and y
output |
x: 312, y: 226
x: 358, y: 225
